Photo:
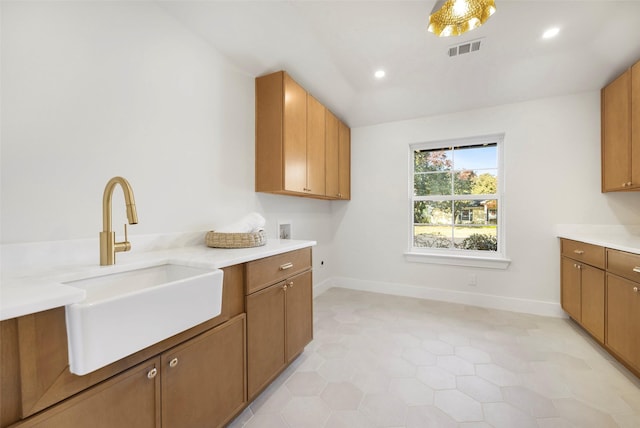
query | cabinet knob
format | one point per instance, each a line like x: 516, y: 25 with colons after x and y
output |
x: 152, y: 373
x: 629, y: 183
x: 635, y: 289
x: 284, y: 287
x: 173, y: 362
x: 290, y: 284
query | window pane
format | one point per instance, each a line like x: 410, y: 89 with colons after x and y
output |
x: 479, y: 238
x: 476, y: 157
x: 432, y: 160
x: 476, y: 212
x: 485, y: 182
x: 463, y: 182
x: 432, y: 183
x: 432, y: 213
x: 432, y: 236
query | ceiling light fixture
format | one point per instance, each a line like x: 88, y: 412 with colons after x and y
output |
x: 455, y: 17
x: 551, y: 33
x: 379, y: 74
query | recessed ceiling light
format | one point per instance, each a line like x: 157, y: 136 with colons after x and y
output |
x: 379, y: 74
x: 551, y: 33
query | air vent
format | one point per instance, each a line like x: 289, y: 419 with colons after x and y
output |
x: 465, y: 48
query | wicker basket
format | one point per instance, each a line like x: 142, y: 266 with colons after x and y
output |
x: 235, y: 240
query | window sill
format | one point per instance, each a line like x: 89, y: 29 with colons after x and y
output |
x: 458, y: 260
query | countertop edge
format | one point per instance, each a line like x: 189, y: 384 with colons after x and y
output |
x: 25, y: 293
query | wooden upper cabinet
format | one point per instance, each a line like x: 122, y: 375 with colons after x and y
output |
x: 621, y: 132
x: 635, y: 125
x: 332, y: 155
x: 291, y: 140
x: 338, y: 154
x: 294, y: 156
x: 316, y: 113
x: 344, y: 153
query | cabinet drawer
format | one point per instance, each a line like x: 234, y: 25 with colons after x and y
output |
x: 264, y: 272
x: 626, y: 265
x: 593, y: 255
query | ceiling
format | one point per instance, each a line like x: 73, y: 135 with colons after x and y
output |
x: 332, y: 48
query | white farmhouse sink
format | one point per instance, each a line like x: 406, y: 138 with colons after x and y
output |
x: 129, y: 311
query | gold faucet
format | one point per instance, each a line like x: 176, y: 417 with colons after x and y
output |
x: 108, y: 245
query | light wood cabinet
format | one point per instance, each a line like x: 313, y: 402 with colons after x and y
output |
x: 620, y: 102
x: 600, y: 290
x: 279, y: 315
x: 623, y: 306
x: 203, y: 380
x: 338, y: 155
x: 291, y: 141
x: 623, y: 319
x: 130, y: 399
x: 583, y: 285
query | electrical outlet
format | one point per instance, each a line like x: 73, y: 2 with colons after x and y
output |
x: 473, y: 280
x: 284, y: 229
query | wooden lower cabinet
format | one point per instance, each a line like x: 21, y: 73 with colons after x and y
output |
x: 203, y: 380
x: 279, y: 325
x: 623, y: 319
x: 299, y: 314
x: 130, y: 399
x: 583, y: 295
x: 200, y: 383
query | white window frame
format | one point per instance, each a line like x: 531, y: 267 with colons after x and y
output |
x: 453, y: 256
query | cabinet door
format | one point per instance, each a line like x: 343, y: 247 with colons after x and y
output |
x: 635, y: 125
x: 130, y: 399
x: 299, y: 309
x: 344, y: 135
x: 315, y: 147
x: 203, y: 380
x: 265, y: 336
x: 332, y: 156
x: 592, y: 295
x: 570, y: 286
x: 616, y: 135
x: 295, y: 136
x: 623, y: 319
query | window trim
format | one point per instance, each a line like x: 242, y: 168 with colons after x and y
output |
x: 485, y: 259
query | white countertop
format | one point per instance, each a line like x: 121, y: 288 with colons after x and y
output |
x: 33, y: 290
x: 623, y: 238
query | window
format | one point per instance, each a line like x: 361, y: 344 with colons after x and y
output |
x: 456, y: 200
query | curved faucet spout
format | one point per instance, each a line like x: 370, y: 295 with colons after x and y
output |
x: 108, y: 245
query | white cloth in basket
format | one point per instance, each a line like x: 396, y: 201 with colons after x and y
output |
x: 253, y: 222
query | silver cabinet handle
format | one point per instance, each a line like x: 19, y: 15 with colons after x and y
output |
x: 173, y: 362
x: 286, y: 266
x: 152, y: 373
x: 636, y: 269
x: 578, y: 251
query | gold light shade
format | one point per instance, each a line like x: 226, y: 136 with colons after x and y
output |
x: 455, y: 17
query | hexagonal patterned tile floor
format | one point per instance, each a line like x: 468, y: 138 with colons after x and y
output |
x: 386, y: 361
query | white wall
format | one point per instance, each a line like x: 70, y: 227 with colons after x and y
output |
x: 552, y: 170
x: 91, y: 90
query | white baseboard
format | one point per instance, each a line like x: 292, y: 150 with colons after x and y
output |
x: 512, y: 304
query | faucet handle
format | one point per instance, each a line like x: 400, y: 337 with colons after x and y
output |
x: 124, y: 245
